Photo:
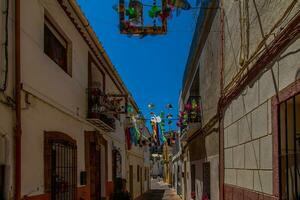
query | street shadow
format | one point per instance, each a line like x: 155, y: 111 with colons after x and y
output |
x: 153, y: 195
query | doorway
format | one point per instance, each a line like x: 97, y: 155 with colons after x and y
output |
x: 131, y: 180
x: 95, y: 171
x: 96, y: 164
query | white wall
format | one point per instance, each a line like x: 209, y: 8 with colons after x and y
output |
x: 7, y: 113
x: 38, y: 71
x: 47, y: 81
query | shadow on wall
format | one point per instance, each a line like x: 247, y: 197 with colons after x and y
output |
x: 298, y: 74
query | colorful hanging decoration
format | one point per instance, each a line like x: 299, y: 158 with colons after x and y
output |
x: 154, y: 133
x: 169, y: 106
x: 180, y: 4
x: 151, y: 106
x: 169, y: 116
x: 131, y: 15
x: 162, y: 128
x: 129, y: 109
x: 166, y: 14
x: 135, y: 12
x: 155, y: 11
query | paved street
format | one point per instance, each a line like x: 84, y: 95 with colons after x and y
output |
x: 160, y: 191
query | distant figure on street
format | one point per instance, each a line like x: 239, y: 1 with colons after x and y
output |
x: 120, y: 192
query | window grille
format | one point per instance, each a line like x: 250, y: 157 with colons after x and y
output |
x: 63, y: 170
x: 289, y: 150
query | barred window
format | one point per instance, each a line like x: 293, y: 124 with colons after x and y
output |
x: 60, y: 163
x: 289, y: 118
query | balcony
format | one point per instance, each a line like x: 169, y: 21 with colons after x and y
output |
x: 100, y: 110
x: 194, y: 109
x: 191, y: 117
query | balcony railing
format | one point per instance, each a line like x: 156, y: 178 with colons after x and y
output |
x: 191, y: 117
x: 195, y: 110
x: 98, y: 107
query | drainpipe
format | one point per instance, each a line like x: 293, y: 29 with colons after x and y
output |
x: 18, y: 129
x: 220, y: 109
x: 5, y: 49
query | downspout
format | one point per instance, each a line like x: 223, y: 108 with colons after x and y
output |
x: 5, y: 49
x: 18, y: 101
x: 220, y: 109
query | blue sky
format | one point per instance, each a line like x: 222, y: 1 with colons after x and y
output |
x: 152, y: 67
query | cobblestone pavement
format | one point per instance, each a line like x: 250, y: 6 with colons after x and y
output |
x: 160, y: 191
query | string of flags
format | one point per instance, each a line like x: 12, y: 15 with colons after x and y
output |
x: 191, y: 113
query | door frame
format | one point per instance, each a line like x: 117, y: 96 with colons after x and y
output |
x: 94, y: 137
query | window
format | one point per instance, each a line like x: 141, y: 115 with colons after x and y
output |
x: 289, y: 126
x: 96, y: 76
x: 56, y: 46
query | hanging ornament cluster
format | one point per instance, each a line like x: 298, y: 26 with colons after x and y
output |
x: 131, y: 16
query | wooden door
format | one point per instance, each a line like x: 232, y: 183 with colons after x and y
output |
x: 131, y: 180
x: 95, y: 171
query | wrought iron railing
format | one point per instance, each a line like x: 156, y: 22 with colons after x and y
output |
x: 195, y: 112
x: 191, y: 114
x: 98, y: 107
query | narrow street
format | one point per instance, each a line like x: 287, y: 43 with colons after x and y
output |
x: 100, y: 98
x: 159, y: 190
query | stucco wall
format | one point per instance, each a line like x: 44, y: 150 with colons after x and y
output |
x: 59, y: 100
x: 7, y: 114
x: 205, y: 147
x: 248, y: 118
x: 39, y: 71
x: 209, y: 66
x: 135, y: 160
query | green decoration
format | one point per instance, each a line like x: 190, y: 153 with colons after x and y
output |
x: 131, y: 13
x: 154, y: 11
x: 129, y: 108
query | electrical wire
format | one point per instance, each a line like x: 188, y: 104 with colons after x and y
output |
x: 259, y: 49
